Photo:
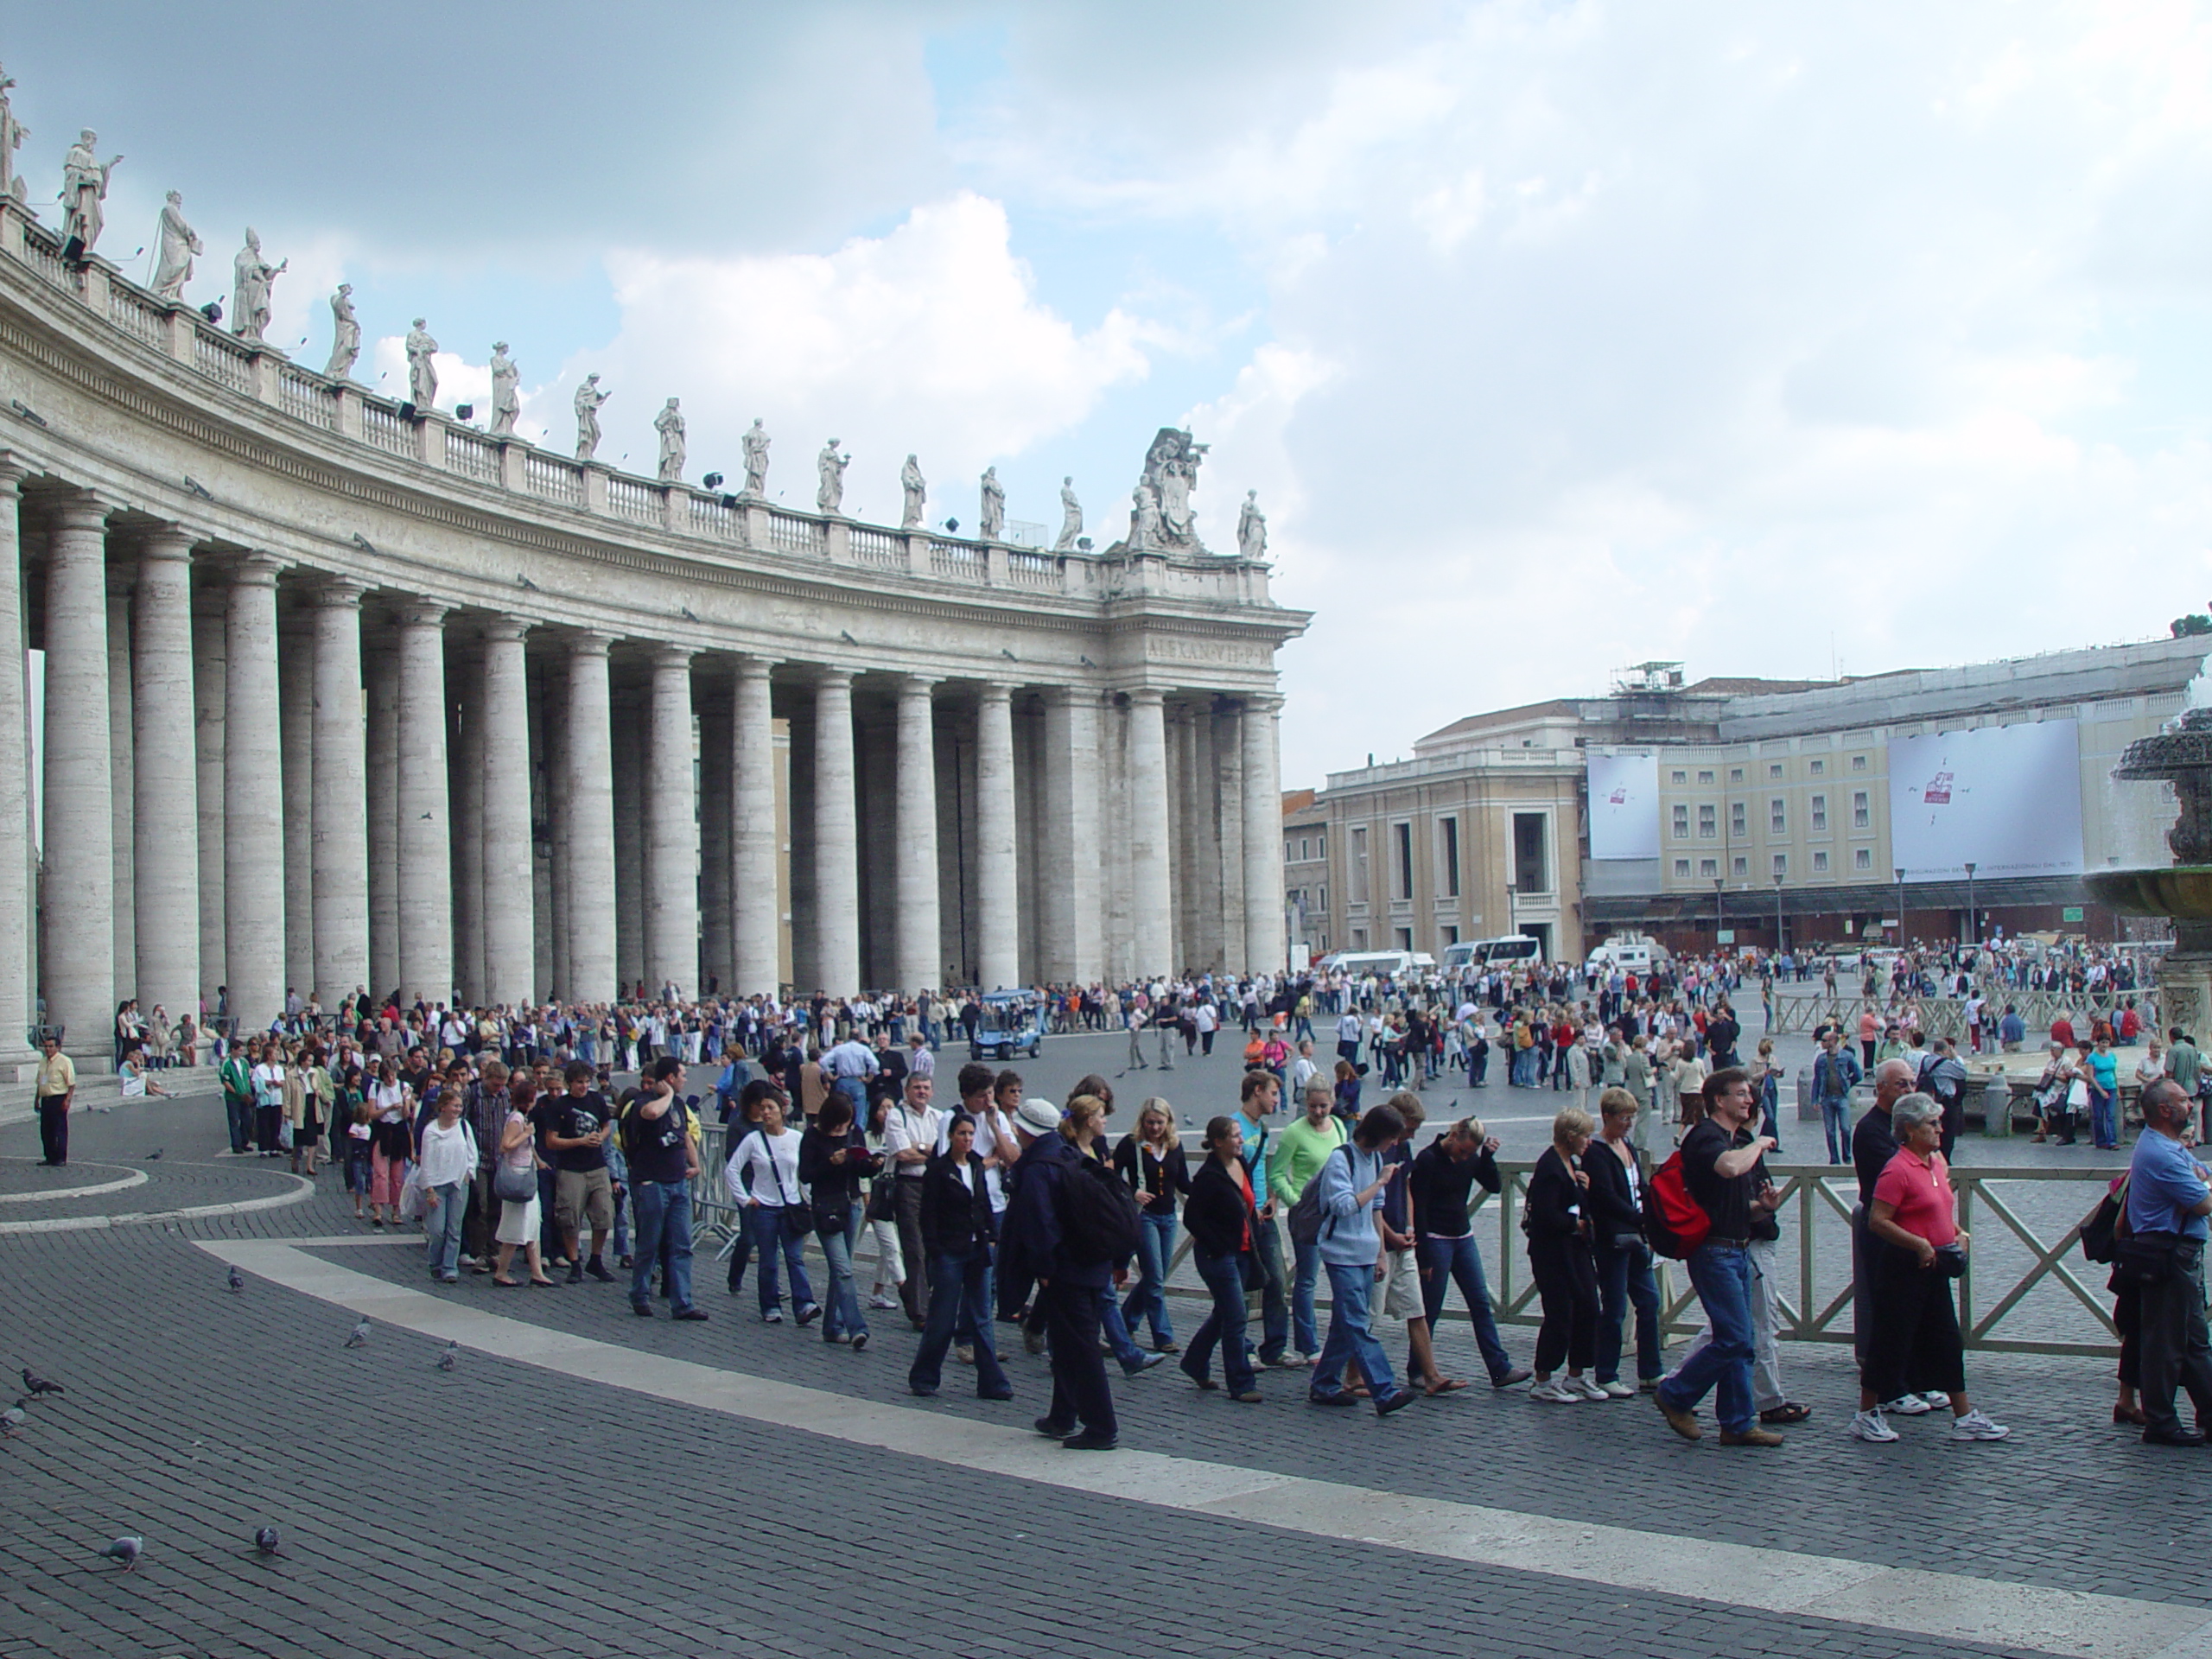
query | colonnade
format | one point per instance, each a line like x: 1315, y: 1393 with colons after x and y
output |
x: 270, y: 778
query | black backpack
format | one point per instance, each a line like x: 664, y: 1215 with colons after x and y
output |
x: 1099, y: 1217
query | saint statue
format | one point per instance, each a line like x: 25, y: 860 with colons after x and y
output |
x: 345, y: 334
x: 12, y: 134
x: 422, y: 373
x: 588, y: 399
x: 1144, y: 520
x: 253, y: 278
x: 1171, y: 470
x: 83, y: 187
x: 1252, y: 528
x: 756, y: 458
x: 830, y: 497
x: 669, y: 424
x: 179, y: 243
x: 507, y: 397
x: 990, y: 522
x: 916, y: 490
x: 1071, y: 517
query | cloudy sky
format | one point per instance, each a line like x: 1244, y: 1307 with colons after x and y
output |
x: 1554, y: 337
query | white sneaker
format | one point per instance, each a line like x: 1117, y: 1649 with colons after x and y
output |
x: 1869, y: 1426
x: 1907, y: 1405
x: 1975, y: 1427
x: 1552, y: 1394
x: 1618, y: 1389
x: 1937, y: 1400
x: 1585, y: 1387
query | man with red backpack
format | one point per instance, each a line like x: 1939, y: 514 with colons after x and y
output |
x: 1722, y: 1178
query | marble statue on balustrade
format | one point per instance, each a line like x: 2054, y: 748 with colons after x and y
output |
x: 756, y: 459
x: 12, y: 134
x: 1170, y: 471
x: 990, y: 521
x: 1144, y: 520
x: 84, y: 189
x: 421, y: 372
x: 669, y: 424
x: 345, y: 334
x: 1252, y: 528
x: 588, y: 399
x: 916, y: 490
x: 253, y: 278
x: 830, y: 496
x: 179, y: 243
x: 1070, y: 517
x: 506, y: 392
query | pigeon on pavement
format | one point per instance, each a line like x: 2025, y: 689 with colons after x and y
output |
x: 11, y: 1423
x: 126, y: 1549
x: 361, y: 1337
x: 451, y: 1358
x: 39, y: 1386
x: 264, y: 1539
x: 237, y: 1280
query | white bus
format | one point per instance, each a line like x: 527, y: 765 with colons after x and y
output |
x: 1508, y: 951
x: 1395, y: 964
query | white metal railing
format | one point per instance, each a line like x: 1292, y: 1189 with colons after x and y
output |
x: 1033, y: 570
x: 306, y: 399
x: 217, y: 358
x: 958, y: 561
x: 472, y: 455
x: 383, y: 427
x: 788, y: 534
x: 709, y: 516
x: 135, y: 316
x: 879, y: 547
x: 553, y: 479
x: 632, y: 499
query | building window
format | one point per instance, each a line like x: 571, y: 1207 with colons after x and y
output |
x: 1404, y: 833
x: 1321, y: 844
x: 1708, y: 822
x: 1737, y: 814
x: 1820, y: 812
x: 1532, y: 864
x: 1704, y: 776
x: 1679, y: 777
x: 1782, y: 863
x: 1358, y: 934
x: 1359, y: 870
x: 1735, y: 774
x: 1681, y: 823
x: 1405, y: 938
x: 1819, y: 768
x: 1740, y: 865
x: 1819, y: 863
x: 1862, y: 817
x: 1682, y: 869
x: 1858, y: 763
x: 1777, y: 818
x: 1862, y: 858
x: 1708, y: 866
x: 1451, y: 937
x: 1321, y: 902
x: 1774, y: 769
x: 1451, y: 849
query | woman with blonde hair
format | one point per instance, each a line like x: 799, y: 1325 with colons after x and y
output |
x: 1556, y: 1219
x: 1150, y: 1159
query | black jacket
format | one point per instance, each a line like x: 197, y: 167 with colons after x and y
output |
x: 1163, y: 1177
x: 955, y: 1220
x: 1611, y: 1201
x: 1442, y: 1186
x: 1552, y: 1191
x: 1217, y: 1215
x: 835, y: 1184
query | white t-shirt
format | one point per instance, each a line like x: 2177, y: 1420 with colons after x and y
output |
x: 764, y: 1168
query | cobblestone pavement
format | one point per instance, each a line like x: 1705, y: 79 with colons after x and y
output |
x: 511, y: 1507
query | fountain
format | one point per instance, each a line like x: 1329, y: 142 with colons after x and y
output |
x: 2180, y: 754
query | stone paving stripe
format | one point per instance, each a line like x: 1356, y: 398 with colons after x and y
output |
x: 303, y: 1190
x: 133, y: 1177
x: 1949, y: 1606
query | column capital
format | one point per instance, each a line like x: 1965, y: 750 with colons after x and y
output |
x: 669, y: 656
x: 586, y: 643
x: 82, y: 509
x: 914, y: 685
x: 13, y: 471
x: 1149, y: 695
x: 824, y: 675
x: 1067, y: 697
x: 423, y: 613
x: 340, y: 593
x: 168, y: 541
x: 996, y: 692
x: 255, y: 570
x: 505, y: 629
x: 1263, y: 702
x: 750, y: 667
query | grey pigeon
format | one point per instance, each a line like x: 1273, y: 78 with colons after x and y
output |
x: 451, y: 1358
x: 361, y: 1337
x: 126, y: 1549
x: 155, y: 1156
x: 237, y: 1280
x: 39, y: 1386
x: 11, y: 1423
x: 264, y: 1539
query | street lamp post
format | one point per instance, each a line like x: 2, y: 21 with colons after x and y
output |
x: 1899, y: 874
x: 1974, y: 931
x: 1510, y: 925
x: 1779, y: 946
x: 1720, y: 916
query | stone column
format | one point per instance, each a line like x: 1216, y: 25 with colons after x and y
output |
x: 510, y: 942
x: 77, y: 931
x: 752, y: 831
x: 628, y: 772
x: 1229, y: 773
x: 465, y: 848
x: 382, y: 675
x: 16, y: 876
x: 253, y: 798
x: 1264, y: 947
x: 671, y: 828
x: 123, y: 789
x: 338, y: 839
x: 919, y: 963
x: 591, y: 823
x: 211, y: 691
x: 1152, y: 924
x: 715, y: 856
x: 1069, y: 875
x: 166, y: 777
x: 997, y: 927
x: 548, y: 742
x: 425, y: 863
x: 837, y: 845
x: 1206, y: 866
x: 295, y: 681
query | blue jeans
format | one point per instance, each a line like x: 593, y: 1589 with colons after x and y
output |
x: 771, y: 1237
x: 1155, y: 1247
x: 960, y: 1310
x: 1722, y: 1273
x: 1835, y: 1119
x: 1275, y: 1309
x: 1448, y: 1260
x: 855, y: 1092
x: 1624, y: 1277
x: 663, y: 1214
x: 841, y: 1315
x: 441, y: 1227
x: 1115, y: 1330
x: 1224, y: 1324
x: 1305, y: 1336
x: 2104, y: 1116
x: 1350, y: 1341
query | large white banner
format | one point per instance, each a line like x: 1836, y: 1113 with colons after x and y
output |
x: 2007, y: 797
x: 1623, y: 806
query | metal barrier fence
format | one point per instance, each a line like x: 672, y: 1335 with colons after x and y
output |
x: 1945, y: 1016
